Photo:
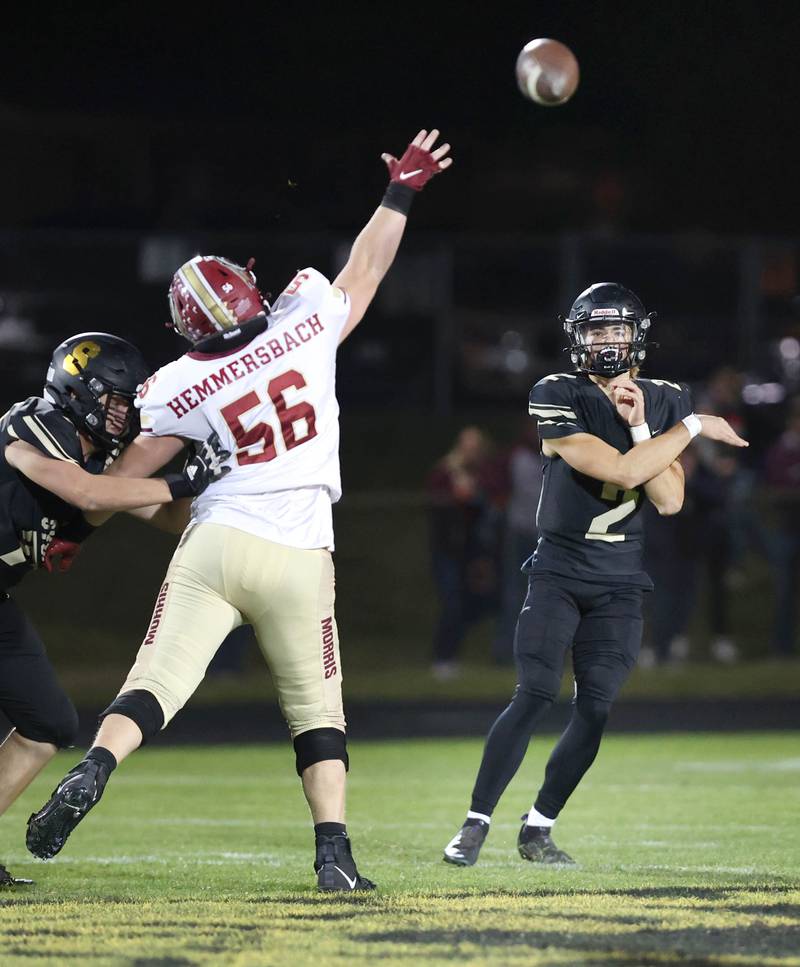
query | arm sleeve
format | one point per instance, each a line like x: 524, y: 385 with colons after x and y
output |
x: 47, y: 430
x: 552, y: 404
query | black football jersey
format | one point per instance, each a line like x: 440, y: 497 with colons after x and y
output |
x: 590, y: 529
x: 29, y: 514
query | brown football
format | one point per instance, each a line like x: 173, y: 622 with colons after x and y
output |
x: 547, y: 72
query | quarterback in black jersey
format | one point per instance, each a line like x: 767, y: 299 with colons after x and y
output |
x: 610, y: 440
x: 53, y: 450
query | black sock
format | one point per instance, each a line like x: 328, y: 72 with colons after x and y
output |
x: 103, y: 756
x: 330, y: 829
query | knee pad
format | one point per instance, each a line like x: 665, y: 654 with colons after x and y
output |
x: 594, y: 711
x: 141, y: 707
x: 317, y: 745
x: 538, y: 683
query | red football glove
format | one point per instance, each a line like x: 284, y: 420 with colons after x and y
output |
x: 419, y: 163
x: 67, y: 551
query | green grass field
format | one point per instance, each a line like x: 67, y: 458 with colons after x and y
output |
x: 689, y: 849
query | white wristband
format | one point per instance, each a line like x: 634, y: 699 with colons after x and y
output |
x: 640, y: 433
x: 693, y: 424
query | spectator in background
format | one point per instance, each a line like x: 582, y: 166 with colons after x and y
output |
x: 464, y: 535
x: 672, y: 559
x: 723, y: 397
x: 724, y: 493
x: 690, y: 551
x: 782, y: 479
x: 523, y: 478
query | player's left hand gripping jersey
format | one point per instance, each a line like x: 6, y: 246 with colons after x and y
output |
x: 269, y: 390
x: 590, y: 529
x: 30, y: 516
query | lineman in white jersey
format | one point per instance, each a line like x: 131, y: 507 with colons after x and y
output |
x: 257, y: 548
x: 273, y: 400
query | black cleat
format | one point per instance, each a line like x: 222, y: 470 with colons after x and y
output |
x: 464, y: 847
x: 335, y: 867
x: 535, y: 844
x: 6, y: 879
x: 72, y: 798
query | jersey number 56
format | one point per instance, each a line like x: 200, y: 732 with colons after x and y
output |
x: 249, y: 439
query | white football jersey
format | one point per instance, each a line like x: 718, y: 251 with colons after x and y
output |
x: 273, y: 403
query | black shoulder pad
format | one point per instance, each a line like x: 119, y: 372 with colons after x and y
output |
x: 552, y: 404
x: 45, y: 427
x: 556, y: 390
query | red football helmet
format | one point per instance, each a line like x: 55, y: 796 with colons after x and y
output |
x: 209, y: 294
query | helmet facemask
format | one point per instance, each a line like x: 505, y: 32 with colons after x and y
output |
x: 604, y: 356
x: 113, y: 421
x: 96, y: 403
x: 93, y: 377
x: 607, y: 306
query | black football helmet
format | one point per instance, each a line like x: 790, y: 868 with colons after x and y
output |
x: 91, y: 365
x: 607, y: 303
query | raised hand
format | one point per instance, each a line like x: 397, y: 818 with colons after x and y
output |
x: 628, y: 400
x: 715, y: 428
x: 420, y: 162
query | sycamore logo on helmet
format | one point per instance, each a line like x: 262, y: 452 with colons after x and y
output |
x: 76, y: 361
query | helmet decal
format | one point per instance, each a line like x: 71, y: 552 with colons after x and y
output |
x: 209, y: 294
x: 214, y: 308
x: 76, y: 360
x: 89, y: 371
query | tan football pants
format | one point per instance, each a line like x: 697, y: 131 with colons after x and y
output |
x: 220, y: 577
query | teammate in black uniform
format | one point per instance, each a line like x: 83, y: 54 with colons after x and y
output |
x: 609, y: 440
x: 52, y: 454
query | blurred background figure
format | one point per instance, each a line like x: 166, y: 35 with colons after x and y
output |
x: 522, y: 470
x: 782, y: 493
x: 672, y: 559
x: 465, y: 523
x: 723, y: 396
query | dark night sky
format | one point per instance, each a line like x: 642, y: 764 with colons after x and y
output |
x: 697, y: 103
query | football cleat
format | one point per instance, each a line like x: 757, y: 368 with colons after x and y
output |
x: 72, y: 798
x: 535, y: 844
x: 6, y: 879
x: 464, y: 847
x: 335, y: 867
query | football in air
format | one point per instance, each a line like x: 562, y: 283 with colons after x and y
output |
x: 547, y: 72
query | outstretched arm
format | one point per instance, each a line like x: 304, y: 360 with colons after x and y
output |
x: 106, y: 492
x: 590, y: 455
x: 376, y: 246
x: 87, y: 491
x: 143, y: 457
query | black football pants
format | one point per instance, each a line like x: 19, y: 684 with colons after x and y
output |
x: 30, y: 697
x: 603, y: 626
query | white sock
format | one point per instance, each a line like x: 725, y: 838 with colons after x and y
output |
x: 483, y: 819
x: 535, y: 818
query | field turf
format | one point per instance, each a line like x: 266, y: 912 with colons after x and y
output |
x: 689, y: 849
